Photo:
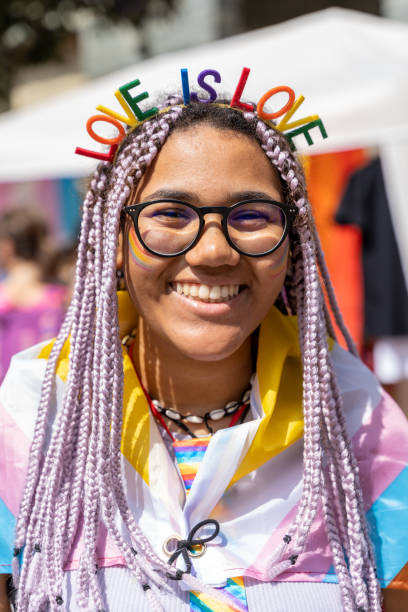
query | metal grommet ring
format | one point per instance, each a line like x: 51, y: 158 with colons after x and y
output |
x: 199, y: 550
x: 166, y: 549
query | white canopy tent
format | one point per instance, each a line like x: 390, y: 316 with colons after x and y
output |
x: 351, y: 67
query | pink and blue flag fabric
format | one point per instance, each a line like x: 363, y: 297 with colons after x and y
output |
x: 249, y: 477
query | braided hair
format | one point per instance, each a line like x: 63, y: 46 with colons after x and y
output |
x: 74, y: 472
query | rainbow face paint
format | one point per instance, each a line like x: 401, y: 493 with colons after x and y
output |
x: 140, y: 256
x: 135, y: 115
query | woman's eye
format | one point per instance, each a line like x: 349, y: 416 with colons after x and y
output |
x: 171, y: 213
x: 256, y: 217
x: 250, y: 215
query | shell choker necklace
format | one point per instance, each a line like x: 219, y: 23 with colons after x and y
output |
x: 236, y: 409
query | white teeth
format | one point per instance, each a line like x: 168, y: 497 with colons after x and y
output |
x: 205, y: 293
x: 215, y: 292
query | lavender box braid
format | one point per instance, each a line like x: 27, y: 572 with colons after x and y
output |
x: 78, y: 472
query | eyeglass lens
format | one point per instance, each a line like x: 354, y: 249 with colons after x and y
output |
x: 169, y: 227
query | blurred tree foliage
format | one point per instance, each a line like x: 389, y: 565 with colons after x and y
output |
x: 35, y: 31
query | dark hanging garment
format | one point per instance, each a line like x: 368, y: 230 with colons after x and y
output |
x: 365, y: 205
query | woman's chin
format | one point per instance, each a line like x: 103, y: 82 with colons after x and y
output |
x: 209, y: 347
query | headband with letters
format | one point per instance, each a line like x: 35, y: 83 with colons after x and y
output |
x: 135, y: 115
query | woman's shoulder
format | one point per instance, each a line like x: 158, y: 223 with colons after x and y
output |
x: 368, y: 409
x: 359, y: 388
x: 379, y: 436
x: 21, y: 388
x: 19, y: 400
x: 352, y: 373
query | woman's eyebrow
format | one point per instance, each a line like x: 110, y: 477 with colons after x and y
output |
x: 190, y: 196
x: 238, y: 196
x: 175, y: 194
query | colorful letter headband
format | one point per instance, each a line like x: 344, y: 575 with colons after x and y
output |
x: 135, y: 116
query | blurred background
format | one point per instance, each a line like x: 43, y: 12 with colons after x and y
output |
x: 59, y: 59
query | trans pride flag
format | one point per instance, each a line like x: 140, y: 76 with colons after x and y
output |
x: 250, y: 478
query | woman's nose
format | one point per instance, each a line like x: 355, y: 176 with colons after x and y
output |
x: 212, y: 249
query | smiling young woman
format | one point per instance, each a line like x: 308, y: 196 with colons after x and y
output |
x: 201, y: 440
x: 180, y: 323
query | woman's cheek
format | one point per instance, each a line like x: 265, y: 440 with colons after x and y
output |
x: 138, y: 254
x: 279, y: 265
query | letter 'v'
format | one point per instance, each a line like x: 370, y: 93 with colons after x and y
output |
x: 130, y: 118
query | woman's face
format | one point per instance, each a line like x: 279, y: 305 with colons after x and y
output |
x: 205, y: 166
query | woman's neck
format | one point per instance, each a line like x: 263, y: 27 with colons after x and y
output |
x: 187, y: 385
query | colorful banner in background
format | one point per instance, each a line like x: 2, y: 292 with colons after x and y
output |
x: 327, y: 176
x: 60, y: 200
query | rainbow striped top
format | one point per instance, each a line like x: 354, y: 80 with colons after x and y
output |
x: 189, y: 454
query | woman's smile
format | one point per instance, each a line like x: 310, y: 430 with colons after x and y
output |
x: 210, y: 300
x: 201, y: 292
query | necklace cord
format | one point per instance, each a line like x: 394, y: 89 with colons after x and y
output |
x: 235, y: 409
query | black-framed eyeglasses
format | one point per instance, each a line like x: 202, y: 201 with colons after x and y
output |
x: 170, y: 227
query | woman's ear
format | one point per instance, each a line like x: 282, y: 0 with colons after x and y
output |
x: 119, y: 252
x: 120, y: 274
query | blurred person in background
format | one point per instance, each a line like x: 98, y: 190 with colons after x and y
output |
x: 31, y: 309
x: 61, y: 268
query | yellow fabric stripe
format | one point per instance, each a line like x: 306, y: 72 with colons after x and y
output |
x: 135, y: 444
x: 63, y: 359
x: 279, y: 370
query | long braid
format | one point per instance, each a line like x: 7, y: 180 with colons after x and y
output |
x: 80, y: 341
x: 310, y: 304
x: 342, y: 498
x: 34, y: 489
x: 331, y: 294
x: 335, y: 539
x: 76, y: 442
x: 362, y: 562
x: 36, y: 479
x: 87, y: 567
x: 54, y: 532
x: 88, y: 466
x: 347, y: 497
